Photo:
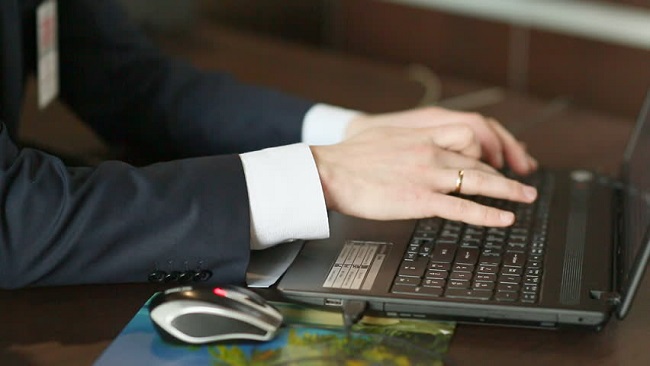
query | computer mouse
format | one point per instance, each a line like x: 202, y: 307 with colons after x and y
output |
x: 198, y: 315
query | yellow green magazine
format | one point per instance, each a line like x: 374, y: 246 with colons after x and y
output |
x: 310, y: 337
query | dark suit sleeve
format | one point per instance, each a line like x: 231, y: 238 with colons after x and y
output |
x: 118, y: 223
x: 131, y: 94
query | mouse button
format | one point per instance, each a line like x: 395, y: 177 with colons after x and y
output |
x: 241, y: 293
x: 253, y: 296
x: 209, y: 325
x: 250, y: 298
x: 244, y: 306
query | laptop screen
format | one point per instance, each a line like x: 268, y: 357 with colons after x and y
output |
x: 636, y: 176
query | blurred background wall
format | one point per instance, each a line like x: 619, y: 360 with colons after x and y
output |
x: 477, y: 40
x: 596, y: 72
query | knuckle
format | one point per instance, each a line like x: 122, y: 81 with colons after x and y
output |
x: 487, y: 214
x: 476, y: 117
x: 515, y: 189
x: 480, y: 179
x: 464, y: 207
x: 465, y: 132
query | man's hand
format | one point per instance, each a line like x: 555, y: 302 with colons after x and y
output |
x: 497, y: 145
x: 388, y: 173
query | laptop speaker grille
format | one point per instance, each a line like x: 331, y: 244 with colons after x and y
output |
x: 575, y: 245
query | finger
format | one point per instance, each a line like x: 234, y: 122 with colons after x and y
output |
x: 476, y: 182
x: 515, y: 154
x: 460, y: 209
x: 491, y: 143
x: 452, y: 160
x: 458, y: 138
x: 523, y: 145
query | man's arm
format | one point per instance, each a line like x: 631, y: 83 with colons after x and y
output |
x: 118, y: 223
x: 130, y: 93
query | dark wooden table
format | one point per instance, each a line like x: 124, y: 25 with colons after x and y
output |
x: 73, y: 325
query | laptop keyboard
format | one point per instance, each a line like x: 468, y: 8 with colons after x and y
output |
x: 456, y: 260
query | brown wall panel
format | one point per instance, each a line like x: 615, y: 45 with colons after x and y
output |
x: 460, y: 46
x: 298, y: 20
x: 595, y: 74
x: 641, y: 3
x: 606, y: 76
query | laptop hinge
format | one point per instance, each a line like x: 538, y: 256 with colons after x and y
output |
x: 611, y: 298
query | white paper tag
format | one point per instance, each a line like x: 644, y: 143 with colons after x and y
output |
x: 48, y: 52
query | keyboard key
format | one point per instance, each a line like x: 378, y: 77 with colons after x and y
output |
x: 536, y: 258
x: 437, y: 274
x: 534, y: 264
x: 460, y: 276
x: 514, y: 259
x: 531, y: 280
x: 497, y: 231
x: 467, y: 256
x: 529, y: 297
x: 410, y: 256
x: 485, y: 277
x: 411, y: 281
x: 433, y: 282
x: 533, y: 272
x: 414, y: 268
x: 498, y: 248
x: 487, y: 269
x: 426, y: 249
x: 508, y: 287
x: 417, y: 290
x: 492, y: 250
x: 490, y: 259
x: 483, y: 285
x: 456, y: 293
x: 506, y: 296
x: 440, y: 266
x: 512, y: 271
x: 424, y: 235
x: 458, y: 284
x: 463, y: 268
x: 470, y: 242
x: 443, y: 253
x: 515, y: 248
x: 530, y: 288
x: 510, y: 279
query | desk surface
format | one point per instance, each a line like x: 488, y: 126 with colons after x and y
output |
x: 73, y: 325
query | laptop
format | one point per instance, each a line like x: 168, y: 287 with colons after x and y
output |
x: 573, y: 258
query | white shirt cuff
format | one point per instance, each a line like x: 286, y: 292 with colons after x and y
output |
x: 325, y: 124
x: 285, y: 194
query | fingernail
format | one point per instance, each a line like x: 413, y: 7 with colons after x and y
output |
x: 530, y: 192
x: 507, y: 217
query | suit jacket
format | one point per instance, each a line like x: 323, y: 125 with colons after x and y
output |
x: 185, y: 217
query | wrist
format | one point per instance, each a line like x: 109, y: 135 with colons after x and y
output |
x: 356, y: 125
x: 324, y: 173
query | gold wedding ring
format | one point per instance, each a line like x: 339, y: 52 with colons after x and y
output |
x: 459, y: 181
